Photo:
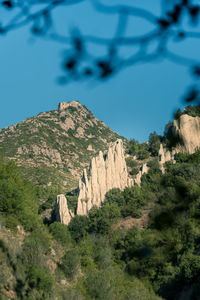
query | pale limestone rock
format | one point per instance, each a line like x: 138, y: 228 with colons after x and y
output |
x: 68, y: 124
x: 105, y: 172
x: 143, y: 170
x: 63, y: 214
x: 90, y: 148
x: 64, y: 105
x: 164, y: 156
x: 187, y: 128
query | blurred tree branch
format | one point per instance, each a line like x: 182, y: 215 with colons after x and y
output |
x: 79, y: 63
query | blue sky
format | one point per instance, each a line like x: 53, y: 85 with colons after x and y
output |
x: 134, y: 103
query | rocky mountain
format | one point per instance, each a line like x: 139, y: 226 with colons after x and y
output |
x: 150, y: 218
x: 53, y: 147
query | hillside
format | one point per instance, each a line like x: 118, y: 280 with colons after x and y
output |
x: 53, y: 147
x: 140, y: 243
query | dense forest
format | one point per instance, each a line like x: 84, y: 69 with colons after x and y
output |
x: 99, y: 256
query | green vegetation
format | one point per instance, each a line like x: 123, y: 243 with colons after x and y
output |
x: 165, y: 255
x: 17, y: 198
x: 70, y: 263
x: 144, y: 150
x: 52, y: 150
x: 142, y: 243
x: 60, y: 234
x: 154, y: 143
x: 193, y: 111
x: 140, y: 150
x: 72, y: 202
x: 170, y: 139
x: 128, y: 201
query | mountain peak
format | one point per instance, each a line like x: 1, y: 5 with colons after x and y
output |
x: 64, y: 105
x: 53, y: 147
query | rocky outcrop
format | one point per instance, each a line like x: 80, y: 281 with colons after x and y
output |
x: 164, y: 156
x: 106, y: 172
x: 187, y: 129
x: 63, y: 214
x: 186, y: 132
x: 64, y: 105
x: 143, y: 170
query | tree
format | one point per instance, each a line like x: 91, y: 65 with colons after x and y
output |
x: 154, y: 143
x: 78, y: 227
x: 60, y: 233
x: 70, y: 263
x: 164, y: 29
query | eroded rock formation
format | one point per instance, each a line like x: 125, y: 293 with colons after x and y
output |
x: 105, y: 172
x: 164, y: 156
x: 187, y: 128
x: 143, y: 170
x: 186, y: 132
x: 63, y: 214
x: 64, y: 105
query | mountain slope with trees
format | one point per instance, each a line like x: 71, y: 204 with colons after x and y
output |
x: 93, y: 257
x: 54, y: 146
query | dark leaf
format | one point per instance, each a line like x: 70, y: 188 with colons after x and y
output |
x: 164, y: 24
x: 175, y: 14
x: 185, y: 2
x: 194, y: 13
x: 78, y: 44
x: 105, y: 68
x: 196, y: 71
x: 192, y: 95
x: 8, y: 4
x: 36, y: 30
x: 88, y: 72
x: 70, y: 64
x: 2, y: 30
x: 181, y: 34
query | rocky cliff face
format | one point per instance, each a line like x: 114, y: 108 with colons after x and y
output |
x: 187, y: 128
x: 143, y: 170
x: 186, y: 132
x: 63, y: 214
x: 164, y: 156
x: 106, y: 172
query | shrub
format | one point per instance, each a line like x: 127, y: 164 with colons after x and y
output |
x: 154, y: 166
x: 134, y: 171
x: 154, y: 143
x: 70, y: 263
x: 131, y: 162
x: 193, y: 111
x: 133, y: 147
x: 72, y: 202
x: 115, y: 195
x: 98, y: 285
x: 101, y: 219
x: 35, y: 247
x: 39, y: 278
x: 78, y: 227
x: 143, y: 154
x: 60, y: 233
x: 177, y: 114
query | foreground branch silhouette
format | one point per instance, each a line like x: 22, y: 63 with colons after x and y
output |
x: 79, y: 63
